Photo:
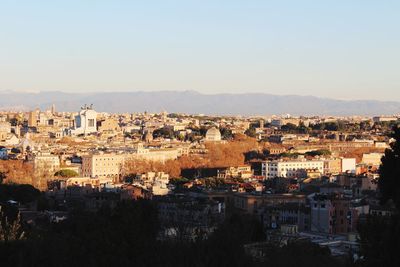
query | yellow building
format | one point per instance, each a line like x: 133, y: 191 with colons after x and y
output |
x: 102, y: 165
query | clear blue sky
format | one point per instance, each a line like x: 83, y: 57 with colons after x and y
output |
x: 347, y: 49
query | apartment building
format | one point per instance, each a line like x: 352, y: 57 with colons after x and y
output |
x: 235, y: 172
x: 102, y: 165
x: 250, y: 203
x: 46, y: 163
x: 332, y: 214
x: 289, y: 168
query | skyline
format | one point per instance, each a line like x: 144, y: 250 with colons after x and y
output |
x: 192, y: 102
x: 336, y: 50
x: 200, y: 133
x: 93, y: 92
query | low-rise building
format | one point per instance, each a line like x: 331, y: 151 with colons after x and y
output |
x: 273, y: 217
x: 250, y: 203
x: 243, y: 172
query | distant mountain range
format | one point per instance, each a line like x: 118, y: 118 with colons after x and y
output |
x: 195, y: 103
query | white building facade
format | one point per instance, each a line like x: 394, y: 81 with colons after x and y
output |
x: 289, y: 169
x: 349, y: 165
x: 85, y: 121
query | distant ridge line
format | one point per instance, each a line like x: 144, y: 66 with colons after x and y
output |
x: 193, y: 102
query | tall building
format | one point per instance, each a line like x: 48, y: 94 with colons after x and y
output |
x: 262, y: 124
x: 33, y: 118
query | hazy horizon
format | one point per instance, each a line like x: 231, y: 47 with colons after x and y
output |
x: 191, y: 90
x: 330, y: 49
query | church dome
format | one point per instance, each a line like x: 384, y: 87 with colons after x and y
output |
x: 213, y: 134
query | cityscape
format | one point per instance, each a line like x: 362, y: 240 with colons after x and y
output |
x: 303, y: 181
x: 199, y: 133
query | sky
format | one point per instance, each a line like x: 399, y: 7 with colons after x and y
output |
x: 344, y: 49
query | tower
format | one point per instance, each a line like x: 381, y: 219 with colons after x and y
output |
x: 33, y: 118
x: 261, y: 124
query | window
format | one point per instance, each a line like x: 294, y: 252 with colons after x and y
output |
x: 91, y: 122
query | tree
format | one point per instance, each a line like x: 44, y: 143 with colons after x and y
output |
x: 251, y: 132
x: 303, y: 129
x: 66, y: 173
x: 10, y: 230
x: 15, y: 150
x: 3, y: 176
x: 289, y: 127
x: 321, y: 152
x: 23, y: 193
x: 17, y: 171
x: 253, y: 154
x: 165, y: 132
x: 389, y: 182
x: 226, y: 133
x: 380, y: 235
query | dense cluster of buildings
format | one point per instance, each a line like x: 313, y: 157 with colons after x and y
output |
x: 313, y: 178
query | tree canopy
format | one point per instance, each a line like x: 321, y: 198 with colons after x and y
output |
x: 380, y: 235
x: 389, y: 182
x: 66, y: 173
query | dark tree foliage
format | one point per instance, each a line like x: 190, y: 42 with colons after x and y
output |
x: 380, y: 235
x: 289, y: 155
x: 289, y: 127
x: 22, y: 193
x: 165, y: 132
x: 66, y: 173
x: 2, y: 177
x: 380, y: 241
x: 203, y: 130
x: 255, y: 124
x: 15, y: 150
x: 253, y: 154
x: 251, y: 132
x: 127, y: 236
x: 321, y: 152
x: 330, y: 126
x: 226, y: 134
x: 299, y: 254
x: 278, y: 184
x: 389, y: 182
